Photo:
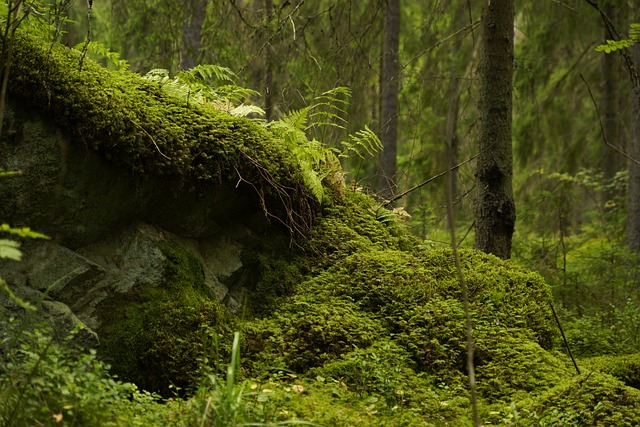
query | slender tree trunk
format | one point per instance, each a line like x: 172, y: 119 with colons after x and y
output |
x: 194, y: 13
x: 633, y: 192
x: 451, y: 136
x: 389, y: 88
x: 268, y: 65
x: 610, y: 114
x: 495, y: 211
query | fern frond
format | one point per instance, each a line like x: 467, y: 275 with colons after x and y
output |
x: 245, y: 110
x: 102, y: 51
x: 297, y: 118
x: 363, y: 143
x: 214, y: 73
x: 312, y: 180
x: 159, y: 75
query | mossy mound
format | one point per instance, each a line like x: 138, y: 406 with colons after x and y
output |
x: 589, y: 400
x: 160, y: 337
x: 383, y: 320
x: 625, y: 367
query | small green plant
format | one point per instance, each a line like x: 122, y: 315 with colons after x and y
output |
x: 317, y: 158
x: 209, y: 86
x: 43, y: 382
x: 101, y: 51
x: 614, y: 45
x: 226, y: 400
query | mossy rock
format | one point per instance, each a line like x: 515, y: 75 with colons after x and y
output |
x: 588, y: 400
x: 160, y: 337
x: 409, y: 303
x: 417, y: 298
x: 510, y: 365
x: 306, y: 332
x: 625, y: 367
x: 134, y: 124
x: 349, y: 225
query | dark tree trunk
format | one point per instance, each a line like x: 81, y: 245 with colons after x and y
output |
x: 633, y: 192
x: 194, y: 14
x: 495, y: 211
x: 389, y: 88
x: 610, y: 114
x: 268, y: 66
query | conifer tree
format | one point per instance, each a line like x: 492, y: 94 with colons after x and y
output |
x: 495, y: 212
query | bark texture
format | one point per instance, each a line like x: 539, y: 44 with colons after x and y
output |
x: 389, y: 87
x: 194, y: 14
x: 609, y: 160
x: 633, y: 194
x: 495, y: 211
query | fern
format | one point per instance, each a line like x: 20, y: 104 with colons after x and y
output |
x: 317, y: 160
x: 100, y: 50
x: 363, y: 143
x: 330, y: 108
x: 209, y: 86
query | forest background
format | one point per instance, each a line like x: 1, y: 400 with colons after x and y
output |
x: 573, y: 117
x: 573, y: 131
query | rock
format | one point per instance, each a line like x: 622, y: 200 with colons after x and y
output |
x: 69, y: 192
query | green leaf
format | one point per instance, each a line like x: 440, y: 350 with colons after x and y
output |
x: 9, y: 249
x: 22, y: 232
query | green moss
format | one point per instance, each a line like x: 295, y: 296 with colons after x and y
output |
x: 135, y: 124
x: 625, y: 367
x: 306, y: 332
x: 383, y: 320
x: 589, y: 400
x: 510, y: 365
x: 351, y: 226
x: 159, y: 336
x: 416, y: 297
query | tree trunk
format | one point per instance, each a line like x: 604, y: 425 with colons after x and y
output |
x: 495, y: 212
x: 633, y: 192
x: 610, y: 115
x: 194, y: 14
x: 268, y: 65
x: 389, y: 88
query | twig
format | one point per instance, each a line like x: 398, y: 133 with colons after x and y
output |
x: 465, y: 297
x: 422, y: 184
x: 564, y: 338
x: 150, y: 137
x: 611, y: 30
x: 88, y: 40
x: 604, y: 137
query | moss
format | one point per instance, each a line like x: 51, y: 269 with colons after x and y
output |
x: 349, y: 226
x: 416, y: 296
x: 306, y: 332
x: 135, y: 124
x: 589, y: 400
x: 625, y: 367
x: 159, y: 336
x: 380, y: 319
x: 510, y: 365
